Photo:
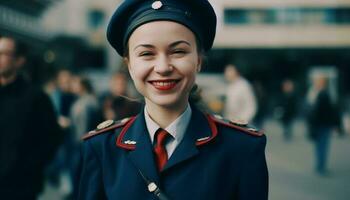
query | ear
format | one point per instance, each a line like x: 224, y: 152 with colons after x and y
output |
x: 127, y: 62
x: 199, y: 61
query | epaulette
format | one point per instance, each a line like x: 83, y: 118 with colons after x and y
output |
x: 105, y: 127
x: 238, y: 125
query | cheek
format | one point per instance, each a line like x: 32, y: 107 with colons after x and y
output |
x: 138, y: 70
x: 188, y: 68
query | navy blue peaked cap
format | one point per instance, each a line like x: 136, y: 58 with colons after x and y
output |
x: 197, y: 15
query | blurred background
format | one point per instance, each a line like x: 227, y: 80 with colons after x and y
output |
x: 281, y: 49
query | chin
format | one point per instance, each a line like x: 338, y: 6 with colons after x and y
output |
x: 167, y: 101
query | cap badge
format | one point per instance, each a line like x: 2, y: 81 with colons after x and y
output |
x: 157, y: 5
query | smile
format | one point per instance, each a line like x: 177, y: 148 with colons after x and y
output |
x: 164, y: 84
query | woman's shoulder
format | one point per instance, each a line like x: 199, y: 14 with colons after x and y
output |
x: 238, y: 137
x: 236, y: 126
x: 106, y: 127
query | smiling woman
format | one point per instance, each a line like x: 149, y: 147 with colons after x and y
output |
x: 163, y: 68
x: 171, y: 150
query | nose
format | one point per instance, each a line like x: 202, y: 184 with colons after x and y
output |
x: 163, y: 65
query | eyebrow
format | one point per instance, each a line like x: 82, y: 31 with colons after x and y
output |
x: 179, y: 42
x: 144, y: 45
x: 172, y: 45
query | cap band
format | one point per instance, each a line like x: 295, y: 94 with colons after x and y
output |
x: 166, y: 13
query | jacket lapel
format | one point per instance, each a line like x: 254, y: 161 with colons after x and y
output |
x: 135, y: 138
x: 197, y: 133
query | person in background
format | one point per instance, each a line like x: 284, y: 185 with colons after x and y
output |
x: 51, y: 89
x: 65, y: 96
x: 240, y: 102
x: 322, y: 120
x: 288, y: 108
x: 117, y: 104
x: 84, y: 116
x: 84, y: 112
x: 171, y: 149
x: 59, y: 89
x: 262, y: 104
x: 29, y: 132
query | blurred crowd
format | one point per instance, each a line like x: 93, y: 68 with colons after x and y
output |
x: 79, y: 110
x: 41, y: 127
x: 40, y: 132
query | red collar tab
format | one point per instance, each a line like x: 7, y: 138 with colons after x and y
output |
x: 245, y: 128
x: 105, y: 127
x: 214, y: 132
x: 126, y: 144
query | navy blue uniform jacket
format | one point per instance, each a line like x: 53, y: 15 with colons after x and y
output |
x: 215, y: 161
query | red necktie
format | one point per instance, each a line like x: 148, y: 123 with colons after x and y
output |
x: 159, y: 149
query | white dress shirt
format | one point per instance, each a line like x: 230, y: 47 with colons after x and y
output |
x: 176, y: 129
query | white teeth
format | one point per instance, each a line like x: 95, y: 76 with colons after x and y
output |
x: 163, y: 83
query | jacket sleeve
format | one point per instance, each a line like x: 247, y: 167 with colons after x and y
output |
x: 254, y: 183
x: 89, y: 180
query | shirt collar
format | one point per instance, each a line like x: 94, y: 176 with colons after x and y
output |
x: 176, y: 129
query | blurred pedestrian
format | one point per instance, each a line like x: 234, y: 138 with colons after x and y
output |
x: 60, y: 91
x: 288, y: 108
x: 83, y: 115
x: 29, y: 133
x: 171, y: 149
x: 51, y: 89
x: 262, y: 104
x: 64, y: 96
x: 322, y: 119
x: 117, y: 104
x: 240, y: 102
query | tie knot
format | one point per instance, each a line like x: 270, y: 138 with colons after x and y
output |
x: 161, y: 137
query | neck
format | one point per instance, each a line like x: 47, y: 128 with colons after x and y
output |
x: 5, y: 80
x: 164, y: 116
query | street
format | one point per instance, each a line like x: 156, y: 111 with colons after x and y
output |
x: 291, y: 167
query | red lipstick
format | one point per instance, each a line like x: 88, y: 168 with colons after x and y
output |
x: 164, y: 85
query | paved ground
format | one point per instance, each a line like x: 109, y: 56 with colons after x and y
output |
x: 291, y: 168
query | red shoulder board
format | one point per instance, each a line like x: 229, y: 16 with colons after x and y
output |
x: 105, y: 127
x: 239, y: 125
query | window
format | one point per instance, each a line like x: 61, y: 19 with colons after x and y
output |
x: 96, y: 18
x: 287, y: 16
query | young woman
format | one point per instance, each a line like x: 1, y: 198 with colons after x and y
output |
x: 171, y: 150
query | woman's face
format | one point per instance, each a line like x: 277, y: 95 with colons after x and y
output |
x: 163, y: 61
x: 76, y: 86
